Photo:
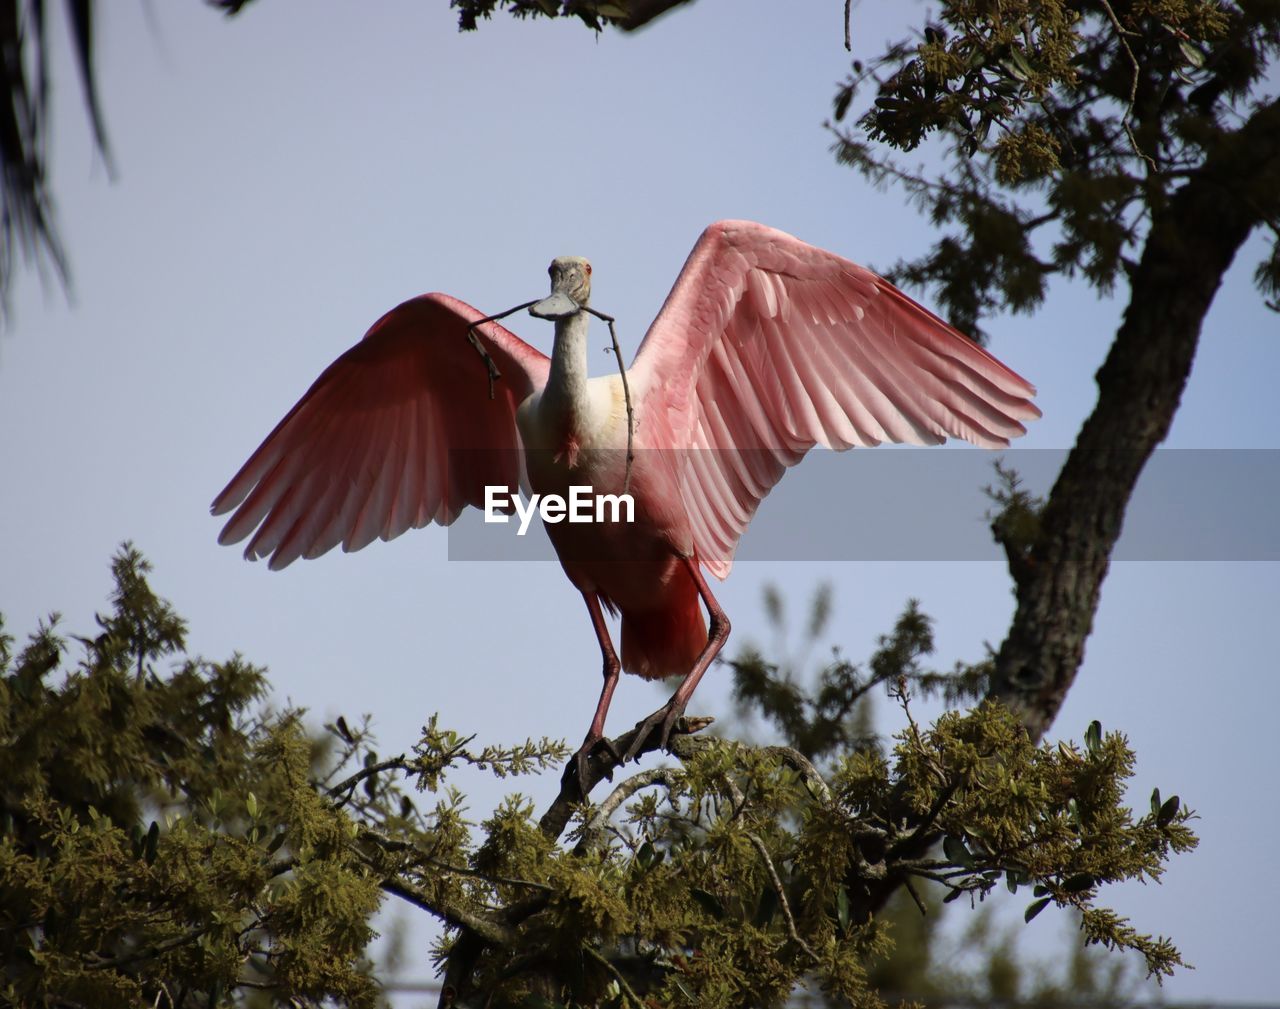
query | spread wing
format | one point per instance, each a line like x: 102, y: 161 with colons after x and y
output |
x: 399, y: 431
x: 767, y: 346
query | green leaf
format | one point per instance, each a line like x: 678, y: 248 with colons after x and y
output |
x: 842, y: 909
x: 953, y: 895
x: 1155, y: 802
x: 1035, y: 908
x: 251, y: 804
x: 153, y: 838
x: 343, y: 730
x: 1168, y: 811
x: 955, y: 850
x: 612, y: 10
x: 1079, y: 882
x: 843, y: 98
x: 1191, y: 53
x: 1014, y: 69
x: 1093, y: 736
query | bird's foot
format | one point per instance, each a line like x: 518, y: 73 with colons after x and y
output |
x: 599, y: 747
x: 664, y: 719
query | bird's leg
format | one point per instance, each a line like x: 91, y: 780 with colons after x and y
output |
x: 717, y: 635
x: 612, y: 667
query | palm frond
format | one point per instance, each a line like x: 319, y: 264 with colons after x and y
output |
x: 28, y: 229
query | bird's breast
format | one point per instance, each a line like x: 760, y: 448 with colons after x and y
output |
x: 572, y: 439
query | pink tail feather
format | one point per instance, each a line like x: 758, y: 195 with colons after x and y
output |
x: 667, y: 640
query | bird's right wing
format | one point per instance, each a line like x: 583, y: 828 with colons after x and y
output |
x: 398, y: 432
x: 767, y: 346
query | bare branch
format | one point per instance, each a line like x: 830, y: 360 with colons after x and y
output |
x: 620, y: 794
x: 627, y: 990
x: 147, y: 952
x: 367, y: 772
x: 782, y: 898
x: 474, y: 340
x: 1133, y: 87
x: 809, y: 774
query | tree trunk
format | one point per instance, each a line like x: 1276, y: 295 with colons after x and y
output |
x: 1192, y: 242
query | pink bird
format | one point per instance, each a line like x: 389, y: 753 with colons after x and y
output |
x: 765, y: 347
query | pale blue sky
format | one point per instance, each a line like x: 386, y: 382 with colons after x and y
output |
x: 287, y: 176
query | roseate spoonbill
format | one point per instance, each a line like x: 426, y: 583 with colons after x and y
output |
x: 765, y: 347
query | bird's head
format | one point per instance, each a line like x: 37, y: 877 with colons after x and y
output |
x: 570, y: 288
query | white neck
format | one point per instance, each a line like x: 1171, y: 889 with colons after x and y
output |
x: 566, y: 390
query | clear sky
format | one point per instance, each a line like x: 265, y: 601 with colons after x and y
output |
x: 288, y: 175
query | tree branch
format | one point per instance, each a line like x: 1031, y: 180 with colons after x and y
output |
x: 347, y: 784
x: 492, y: 932
x: 641, y: 12
x: 601, y: 766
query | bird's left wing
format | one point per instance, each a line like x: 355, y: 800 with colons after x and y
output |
x: 767, y: 346
x: 398, y: 432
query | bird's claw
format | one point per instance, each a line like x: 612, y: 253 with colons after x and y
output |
x: 580, y: 764
x: 666, y: 717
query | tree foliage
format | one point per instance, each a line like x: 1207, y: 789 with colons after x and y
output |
x: 160, y: 837
x: 830, y: 718
x: 823, y: 709
x: 166, y: 838
x: 1063, y: 129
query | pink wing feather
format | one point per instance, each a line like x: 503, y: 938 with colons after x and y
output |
x: 399, y: 431
x: 767, y: 346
